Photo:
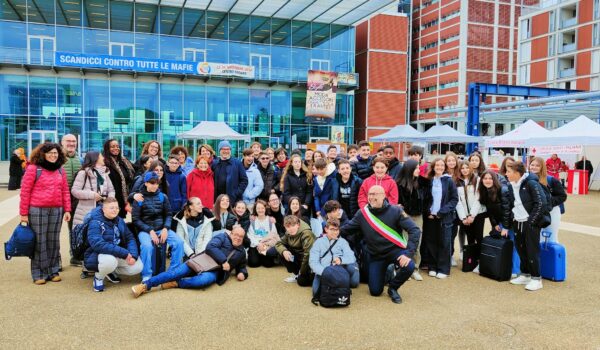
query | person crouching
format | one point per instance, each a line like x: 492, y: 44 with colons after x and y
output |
x: 294, y: 248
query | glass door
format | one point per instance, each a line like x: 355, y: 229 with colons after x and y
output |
x: 262, y: 66
x: 35, y: 137
x: 127, y: 144
x: 40, y: 49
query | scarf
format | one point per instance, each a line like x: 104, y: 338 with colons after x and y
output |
x: 50, y: 166
x: 121, y: 164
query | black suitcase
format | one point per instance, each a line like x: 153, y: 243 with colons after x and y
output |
x: 495, y: 260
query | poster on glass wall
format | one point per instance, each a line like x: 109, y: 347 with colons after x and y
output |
x: 320, y: 96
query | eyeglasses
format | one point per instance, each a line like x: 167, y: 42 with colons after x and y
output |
x: 54, y: 153
x: 264, y: 158
x: 375, y: 194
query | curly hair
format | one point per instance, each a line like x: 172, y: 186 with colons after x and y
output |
x: 179, y: 149
x: 38, y: 154
x: 147, y: 147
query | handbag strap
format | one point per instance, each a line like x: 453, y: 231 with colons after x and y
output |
x: 230, y: 255
x: 329, y: 250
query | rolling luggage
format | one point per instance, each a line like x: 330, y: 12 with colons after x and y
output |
x: 553, y: 259
x: 495, y: 260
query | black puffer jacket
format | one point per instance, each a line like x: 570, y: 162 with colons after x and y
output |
x: 394, y: 168
x: 499, y: 211
x: 412, y: 201
x: 269, y: 178
x: 530, y: 192
x: 559, y: 196
x: 153, y: 213
x: 294, y: 185
x: 351, y: 207
x: 362, y: 168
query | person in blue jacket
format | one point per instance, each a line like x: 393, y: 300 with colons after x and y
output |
x: 230, y: 175
x: 152, y: 218
x: 255, y: 180
x: 227, y: 251
x: 177, y: 184
x: 340, y: 254
x: 326, y: 185
x: 112, y: 249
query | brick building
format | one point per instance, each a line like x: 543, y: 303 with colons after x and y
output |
x: 560, y: 45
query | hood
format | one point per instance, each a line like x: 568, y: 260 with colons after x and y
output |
x: 330, y: 169
x: 525, y: 177
x: 303, y: 227
x: 98, y: 214
x: 251, y: 167
x: 385, y: 178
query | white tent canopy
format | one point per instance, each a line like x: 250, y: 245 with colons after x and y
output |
x: 581, y: 131
x: 446, y: 134
x: 517, y: 137
x: 399, y: 133
x: 212, y: 131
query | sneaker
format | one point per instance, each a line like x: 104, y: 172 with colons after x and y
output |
x: 98, y: 285
x: 432, y: 273
x: 55, y: 278
x: 453, y: 262
x: 169, y: 285
x: 476, y: 270
x: 291, y: 279
x: 417, y: 276
x: 139, y: 289
x: 534, y: 284
x: 75, y: 262
x: 522, y: 279
x: 113, y: 278
x: 441, y: 276
x: 39, y: 282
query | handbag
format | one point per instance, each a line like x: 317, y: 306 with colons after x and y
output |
x: 203, y: 262
x: 21, y: 243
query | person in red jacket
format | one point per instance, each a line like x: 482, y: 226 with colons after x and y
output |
x: 553, y: 164
x: 379, y: 177
x: 201, y: 183
x: 45, y: 202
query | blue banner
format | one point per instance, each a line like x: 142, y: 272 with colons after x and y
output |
x: 151, y: 65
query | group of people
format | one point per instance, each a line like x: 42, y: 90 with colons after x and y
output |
x: 381, y: 219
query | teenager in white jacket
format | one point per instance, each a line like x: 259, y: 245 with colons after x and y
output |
x: 194, y: 226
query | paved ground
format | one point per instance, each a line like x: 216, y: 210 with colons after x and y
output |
x: 464, y: 311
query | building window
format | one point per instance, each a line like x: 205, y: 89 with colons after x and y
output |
x: 429, y: 24
x: 450, y: 39
x: 525, y: 52
x: 194, y: 55
x: 551, y: 40
x: 449, y: 84
x: 122, y: 49
x: 595, y: 84
x: 596, y: 9
x: 429, y: 46
x: 524, y: 74
x: 596, y: 35
x: 449, y: 62
x: 552, y: 22
x: 525, y: 29
x: 429, y: 67
x: 40, y: 49
x: 429, y: 88
x: 451, y: 15
x: 596, y: 62
x: 551, y: 73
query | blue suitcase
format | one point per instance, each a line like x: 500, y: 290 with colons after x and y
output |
x: 553, y: 260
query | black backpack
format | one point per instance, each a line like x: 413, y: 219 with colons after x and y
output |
x: 334, y: 290
x: 79, y: 238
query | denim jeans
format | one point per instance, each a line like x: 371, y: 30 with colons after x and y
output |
x: 185, y: 277
x: 378, y: 266
x: 147, y: 250
x: 439, y: 244
x: 354, y: 278
x: 516, y: 261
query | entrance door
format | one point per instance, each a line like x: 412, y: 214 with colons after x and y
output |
x: 262, y: 66
x: 316, y: 64
x: 35, y: 137
x: 40, y: 49
x: 127, y: 144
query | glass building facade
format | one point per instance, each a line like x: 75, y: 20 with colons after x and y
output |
x: 39, y: 101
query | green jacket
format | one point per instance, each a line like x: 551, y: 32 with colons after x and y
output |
x: 71, y: 167
x: 300, y: 243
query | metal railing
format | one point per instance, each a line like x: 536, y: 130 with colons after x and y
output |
x: 565, y: 23
x: 568, y: 72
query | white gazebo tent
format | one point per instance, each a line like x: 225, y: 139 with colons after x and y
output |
x: 208, y: 130
x: 399, y: 133
x: 517, y: 137
x: 446, y: 134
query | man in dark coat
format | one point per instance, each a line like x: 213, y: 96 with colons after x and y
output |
x: 380, y: 225
x: 230, y: 175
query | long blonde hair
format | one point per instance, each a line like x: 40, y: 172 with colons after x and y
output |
x: 543, y: 175
x: 303, y: 167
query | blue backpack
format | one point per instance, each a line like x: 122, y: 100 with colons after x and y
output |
x: 21, y: 243
x: 79, y: 241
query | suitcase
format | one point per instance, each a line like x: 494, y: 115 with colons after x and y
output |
x: 495, y: 260
x: 553, y: 260
x: 470, y: 257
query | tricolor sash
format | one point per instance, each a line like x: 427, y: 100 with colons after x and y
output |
x: 380, y: 227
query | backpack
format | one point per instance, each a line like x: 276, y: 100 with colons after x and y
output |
x: 335, y: 287
x: 79, y: 238
x: 21, y: 243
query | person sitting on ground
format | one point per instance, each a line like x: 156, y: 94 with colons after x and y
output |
x: 294, y: 248
x: 176, y: 179
x: 152, y: 218
x: 113, y: 250
x: 240, y: 216
x: 221, y: 213
x: 381, y: 225
x: 194, y: 226
x: 263, y: 236
x: 227, y: 251
x: 296, y: 209
x: 331, y: 249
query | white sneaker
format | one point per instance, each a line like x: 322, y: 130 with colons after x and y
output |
x: 453, y: 262
x: 476, y: 270
x: 441, y: 276
x: 432, y: 273
x: 291, y: 279
x: 417, y: 276
x: 522, y: 279
x: 534, y: 284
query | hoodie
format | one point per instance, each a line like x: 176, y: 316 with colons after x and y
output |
x: 255, y: 184
x: 388, y: 184
x: 298, y: 244
x: 326, y: 188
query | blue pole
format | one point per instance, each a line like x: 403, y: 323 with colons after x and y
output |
x: 473, y: 114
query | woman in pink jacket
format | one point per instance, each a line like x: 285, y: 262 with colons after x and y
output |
x: 381, y: 178
x: 45, y: 202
